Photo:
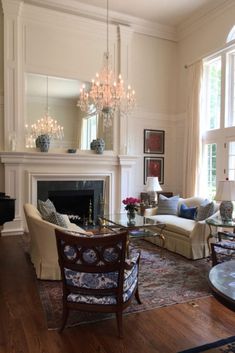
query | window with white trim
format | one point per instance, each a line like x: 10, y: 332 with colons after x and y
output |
x: 90, y: 126
x: 218, y: 120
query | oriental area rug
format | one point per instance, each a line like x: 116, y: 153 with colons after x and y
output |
x: 165, y: 279
x: 226, y: 345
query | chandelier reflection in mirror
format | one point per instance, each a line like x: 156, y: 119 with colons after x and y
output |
x: 107, y: 95
x: 46, y: 126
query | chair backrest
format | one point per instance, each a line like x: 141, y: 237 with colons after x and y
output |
x: 92, y: 265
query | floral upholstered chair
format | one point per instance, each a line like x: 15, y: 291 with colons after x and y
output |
x: 222, y: 251
x: 96, y: 275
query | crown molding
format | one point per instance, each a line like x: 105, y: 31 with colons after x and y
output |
x: 138, y: 25
x: 12, y: 7
x: 201, y: 18
x: 92, y: 12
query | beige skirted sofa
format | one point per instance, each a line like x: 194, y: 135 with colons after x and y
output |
x: 183, y: 236
x: 43, y: 250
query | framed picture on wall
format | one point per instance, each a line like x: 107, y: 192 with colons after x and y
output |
x: 154, y: 141
x: 154, y: 167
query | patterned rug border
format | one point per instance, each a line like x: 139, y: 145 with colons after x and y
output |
x: 209, y: 346
x: 137, y: 310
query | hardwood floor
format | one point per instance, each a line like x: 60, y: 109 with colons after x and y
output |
x: 165, y: 330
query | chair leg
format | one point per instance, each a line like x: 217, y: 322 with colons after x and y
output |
x: 119, y: 323
x: 213, y: 255
x: 137, y: 297
x: 64, y: 318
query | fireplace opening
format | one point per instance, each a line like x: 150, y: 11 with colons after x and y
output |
x: 77, y: 204
x: 81, y: 200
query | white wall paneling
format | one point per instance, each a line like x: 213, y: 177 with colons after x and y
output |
x: 55, y: 43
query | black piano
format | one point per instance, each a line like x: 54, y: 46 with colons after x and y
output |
x: 7, y: 208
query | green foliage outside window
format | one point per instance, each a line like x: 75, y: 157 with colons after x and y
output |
x: 211, y: 169
x: 214, y: 93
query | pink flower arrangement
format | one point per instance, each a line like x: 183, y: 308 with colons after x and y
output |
x: 131, y: 203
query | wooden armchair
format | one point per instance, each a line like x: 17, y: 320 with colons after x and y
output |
x: 96, y: 275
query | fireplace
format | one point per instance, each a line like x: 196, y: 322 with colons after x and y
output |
x: 81, y: 200
x: 24, y: 170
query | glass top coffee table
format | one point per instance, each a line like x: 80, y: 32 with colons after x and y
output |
x: 143, y: 227
x: 121, y: 220
x: 222, y: 281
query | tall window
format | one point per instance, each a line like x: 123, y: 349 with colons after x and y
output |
x: 210, y: 152
x: 230, y: 90
x: 90, y: 126
x: 218, y: 120
x: 212, y: 97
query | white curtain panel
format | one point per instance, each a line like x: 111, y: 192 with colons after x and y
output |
x: 192, y: 148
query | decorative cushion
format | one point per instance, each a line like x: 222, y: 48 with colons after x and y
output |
x: 225, y: 250
x: 167, y: 205
x: 102, y: 281
x: 45, y: 208
x: 56, y: 218
x: 176, y: 224
x: 205, y: 210
x: 187, y: 212
x: 101, y: 299
x: 66, y: 220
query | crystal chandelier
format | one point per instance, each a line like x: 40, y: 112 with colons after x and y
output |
x: 44, y: 126
x: 107, y: 95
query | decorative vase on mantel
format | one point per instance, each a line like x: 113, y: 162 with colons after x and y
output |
x: 131, y: 216
x: 43, y: 142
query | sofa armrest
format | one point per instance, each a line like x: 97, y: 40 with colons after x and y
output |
x: 150, y: 211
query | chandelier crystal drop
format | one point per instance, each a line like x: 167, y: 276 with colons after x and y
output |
x: 107, y: 94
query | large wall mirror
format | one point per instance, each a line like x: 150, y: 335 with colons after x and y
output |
x: 61, y: 95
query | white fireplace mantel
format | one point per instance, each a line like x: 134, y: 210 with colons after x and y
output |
x: 23, y: 169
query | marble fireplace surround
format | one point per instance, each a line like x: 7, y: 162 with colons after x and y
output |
x: 24, y: 169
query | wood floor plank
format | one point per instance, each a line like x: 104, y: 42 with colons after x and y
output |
x: 170, y: 329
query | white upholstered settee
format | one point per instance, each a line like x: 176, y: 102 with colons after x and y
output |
x: 186, y: 237
x: 43, y: 250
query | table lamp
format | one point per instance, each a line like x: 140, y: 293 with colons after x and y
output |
x: 226, y: 194
x: 152, y: 187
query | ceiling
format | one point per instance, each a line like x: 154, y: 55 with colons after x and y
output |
x: 167, y: 12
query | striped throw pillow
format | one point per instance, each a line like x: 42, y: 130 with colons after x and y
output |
x: 167, y: 205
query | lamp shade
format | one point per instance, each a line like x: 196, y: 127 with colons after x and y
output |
x: 225, y: 191
x: 153, y: 184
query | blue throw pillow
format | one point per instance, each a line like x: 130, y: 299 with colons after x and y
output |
x: 187, y: 212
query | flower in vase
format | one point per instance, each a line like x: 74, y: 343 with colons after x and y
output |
x: 131, y: 203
